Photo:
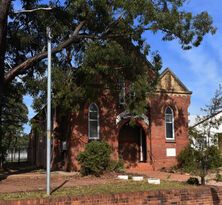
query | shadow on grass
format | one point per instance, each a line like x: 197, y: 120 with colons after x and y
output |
x: 60, y: 186
x: 2, y: 177
x: 215, y: 196
x: 14, y: 168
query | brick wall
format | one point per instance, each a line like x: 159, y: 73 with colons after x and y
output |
x: 156, y: 144
x: 194, y: 196
x: 155, y: 139
x: 159, y: 144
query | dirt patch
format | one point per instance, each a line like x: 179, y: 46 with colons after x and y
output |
x: 25, y: 178
x: 37, y: 181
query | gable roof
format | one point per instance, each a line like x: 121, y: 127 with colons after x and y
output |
x: 170, y: 83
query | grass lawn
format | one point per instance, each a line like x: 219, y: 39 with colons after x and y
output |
x: 109, y: 188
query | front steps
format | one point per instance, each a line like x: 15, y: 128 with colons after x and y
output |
x: 140, y: 167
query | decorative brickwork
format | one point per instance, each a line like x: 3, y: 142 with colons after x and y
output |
x: 197, y: 196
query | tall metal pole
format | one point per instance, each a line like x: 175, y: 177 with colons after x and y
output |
x: 48, y: 113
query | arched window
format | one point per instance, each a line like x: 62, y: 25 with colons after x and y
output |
x: 169, y: 121
x: 93, y: 122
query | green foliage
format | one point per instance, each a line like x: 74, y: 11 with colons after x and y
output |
x: 193, y: 181
x: 186, y: 159
x: 214, y: 158
x: 19, y: 142
x: 218, y: 176
x: 109, y: 45
x: 95, y: 159
x: 116, y: 166
x: 199, y: 161
x: 70, y: 95
x: 14, y: 116
x: 113, y: 46
x: 203, y: 153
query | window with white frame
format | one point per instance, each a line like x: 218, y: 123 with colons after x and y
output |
x: 169, y: 122
x: 93, y: 122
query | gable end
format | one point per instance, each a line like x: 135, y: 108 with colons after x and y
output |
x: 170, y: 83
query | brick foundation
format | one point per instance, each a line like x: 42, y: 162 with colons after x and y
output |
x: 194, y: 196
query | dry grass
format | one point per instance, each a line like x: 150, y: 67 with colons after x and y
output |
x: 109, y: 188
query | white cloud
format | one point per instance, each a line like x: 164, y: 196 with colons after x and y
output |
x: 199, y: 69
x: 192, y: 119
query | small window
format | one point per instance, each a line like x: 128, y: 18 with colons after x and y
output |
x: 169, y: 121
x: 93, y: 121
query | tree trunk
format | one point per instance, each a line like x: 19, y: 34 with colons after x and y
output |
x: 1, y: 133
x: 19, y: 150
x: 203, y: 171
x: 1, y: 125
x: 4, y: 9
x: 11, y: 151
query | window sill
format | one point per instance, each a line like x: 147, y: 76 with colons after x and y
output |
x: 93, y: 139
x: 170, y: 141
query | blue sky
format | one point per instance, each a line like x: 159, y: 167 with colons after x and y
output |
x: 199, y: 69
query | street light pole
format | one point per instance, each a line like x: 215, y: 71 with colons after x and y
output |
x: 49, y: 37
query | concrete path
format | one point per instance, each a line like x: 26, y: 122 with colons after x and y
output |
x: 163, y: 175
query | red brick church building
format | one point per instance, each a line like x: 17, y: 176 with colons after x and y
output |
x: 154, y: 141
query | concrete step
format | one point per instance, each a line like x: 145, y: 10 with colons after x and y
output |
x: 140, y: 167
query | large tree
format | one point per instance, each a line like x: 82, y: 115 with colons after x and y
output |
x: 77, y: 24
x: 203, y: 153
x: 14, y: 116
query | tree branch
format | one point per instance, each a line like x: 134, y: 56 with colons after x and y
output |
x: 74, y: 38
x: 207, y: 118
x: 11, y: 74
x: 33, y: 10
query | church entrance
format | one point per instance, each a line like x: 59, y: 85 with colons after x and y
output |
x: 132, y: 144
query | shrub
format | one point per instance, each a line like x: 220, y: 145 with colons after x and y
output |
x: 187, y: 159
x: 191, y: 160
x: 218, y: 176
x: 214, y: 157
x: 193, y: 181
x: 117, y: 166
x: 95, y: 159
x: 200, y: 160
